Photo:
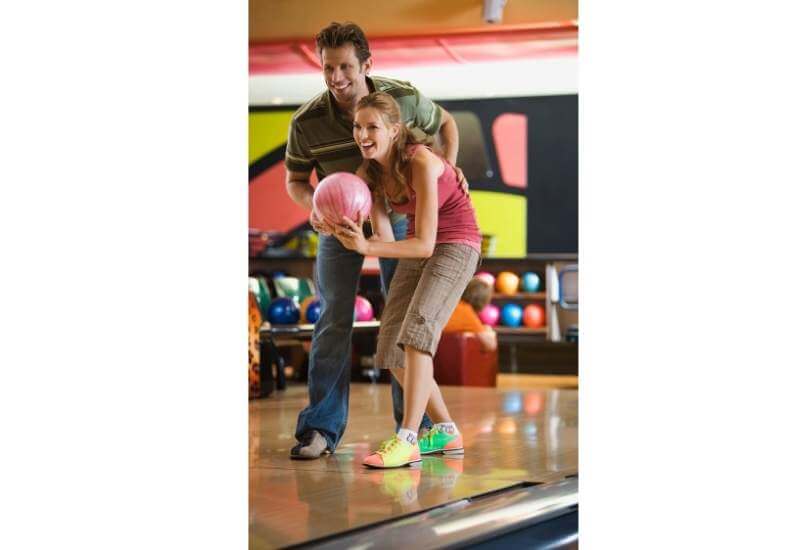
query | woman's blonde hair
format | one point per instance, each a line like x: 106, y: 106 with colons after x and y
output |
x: 394, y: 187
x: 477, y: 294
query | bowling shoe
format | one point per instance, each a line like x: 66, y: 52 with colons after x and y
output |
x: 393, y: 453
x: 438, y: 441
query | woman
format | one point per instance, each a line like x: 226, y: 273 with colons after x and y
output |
x: 437, y: 260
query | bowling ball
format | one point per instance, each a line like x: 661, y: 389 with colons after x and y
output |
x: 530, y: 282
x: 490, y: 315
x: 363, y: 309
x: 304, y: 308
x: 533, y: 316
x: 507, y: 283
x: 313, y: 311
x: 486, y: 276
x: 511, y: 315
x: 283, y: 311
x: 342, y: 194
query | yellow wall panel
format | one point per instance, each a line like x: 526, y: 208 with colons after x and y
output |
x: 504, y: 216
x: 268, y: 130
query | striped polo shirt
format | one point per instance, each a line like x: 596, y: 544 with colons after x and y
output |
x: 321, y: 138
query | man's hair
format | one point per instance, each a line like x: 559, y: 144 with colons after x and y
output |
x: 337, y: 35
x: 477, y: 294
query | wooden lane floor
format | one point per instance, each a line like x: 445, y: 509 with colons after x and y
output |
x: 509, y: 435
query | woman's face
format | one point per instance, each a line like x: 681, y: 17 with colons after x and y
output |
x: 372, y: 135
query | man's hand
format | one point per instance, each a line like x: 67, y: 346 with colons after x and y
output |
x: 462, y: 181
x: 319, y: 224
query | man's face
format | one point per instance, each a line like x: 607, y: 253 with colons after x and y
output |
x: 344, y: 77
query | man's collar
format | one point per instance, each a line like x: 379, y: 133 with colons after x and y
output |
x: 333, y: 108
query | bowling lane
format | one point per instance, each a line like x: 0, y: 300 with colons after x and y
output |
x: 510, y: 436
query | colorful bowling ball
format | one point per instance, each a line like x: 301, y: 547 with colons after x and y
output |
x: 511, y: 315
x: 342, y: 194
x: 490, y: 315
x: 363, y: 309
x: 530, y: 282
x: 304, y: 308
x: 313, y: 311
x: 283, y: 311
x: 486, y: 276
x: 533, y: 316
x: 507, y: 283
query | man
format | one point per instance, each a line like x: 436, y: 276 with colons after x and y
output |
x: 321, y: 139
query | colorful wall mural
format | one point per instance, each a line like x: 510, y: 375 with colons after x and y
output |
x: 519, y: 156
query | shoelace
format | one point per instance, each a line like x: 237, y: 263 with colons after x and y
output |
x: 429, y: 436
x: 388, y: 445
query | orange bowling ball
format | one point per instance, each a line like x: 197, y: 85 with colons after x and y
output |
x: 507, y: 283
x: 533, y: 316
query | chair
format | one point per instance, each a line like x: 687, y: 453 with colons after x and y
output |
x: 461, y: 361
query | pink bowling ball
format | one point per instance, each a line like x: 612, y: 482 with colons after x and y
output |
x: 490, y: 315
x: 363, y: 309
x: 342, y: 194
x: 486, y: 276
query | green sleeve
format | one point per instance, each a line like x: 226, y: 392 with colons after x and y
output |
x: 298, y: 157
x: 428, y: 116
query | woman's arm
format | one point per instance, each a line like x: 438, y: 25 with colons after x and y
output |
x: 425, y: 171
x: 378, y: 217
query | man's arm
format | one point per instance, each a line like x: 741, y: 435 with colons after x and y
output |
x: 298, y: 185
x: 448, y: 137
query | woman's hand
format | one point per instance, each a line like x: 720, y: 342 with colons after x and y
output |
x: 351, y: 235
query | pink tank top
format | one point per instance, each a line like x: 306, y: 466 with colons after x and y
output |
x: 457, y: 222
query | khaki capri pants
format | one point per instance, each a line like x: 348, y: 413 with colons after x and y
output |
x: 422, y: 296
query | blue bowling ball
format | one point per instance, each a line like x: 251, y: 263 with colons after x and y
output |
x: 283, y: 311
x: 530, y: 282
x: 511, y: 315
x: 312, y: 313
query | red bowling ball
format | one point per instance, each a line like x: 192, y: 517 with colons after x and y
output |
x: 533, y: 316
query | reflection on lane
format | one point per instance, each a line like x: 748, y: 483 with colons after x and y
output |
x: 510, y: 436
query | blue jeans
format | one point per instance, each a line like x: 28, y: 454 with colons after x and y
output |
x: 329, y: 363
